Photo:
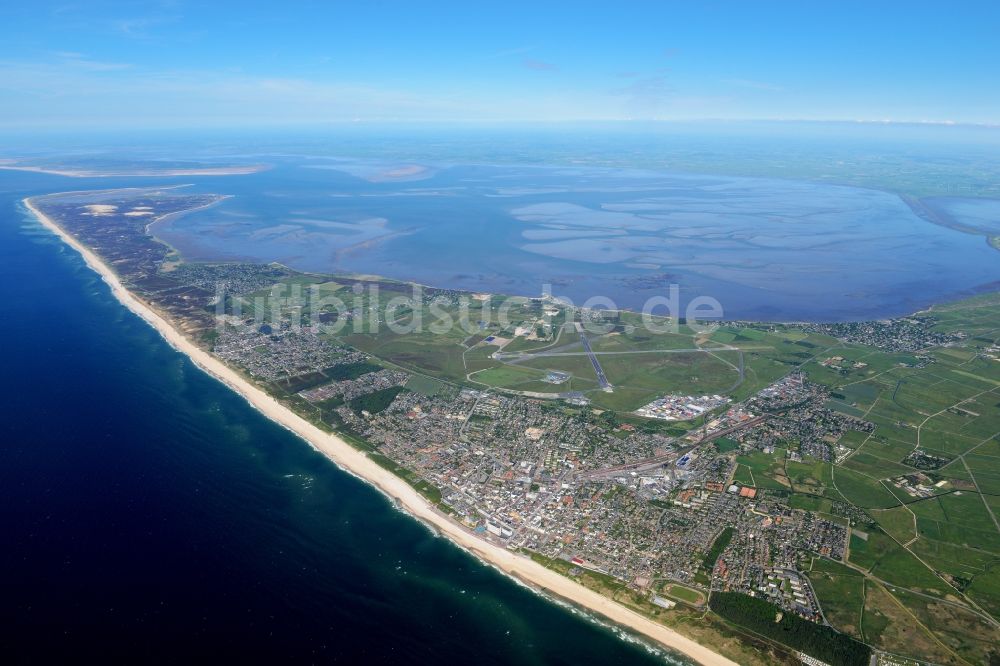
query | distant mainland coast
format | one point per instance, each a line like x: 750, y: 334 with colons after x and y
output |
x: 99, y: 173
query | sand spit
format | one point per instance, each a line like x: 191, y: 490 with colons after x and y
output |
x: 98, y: 173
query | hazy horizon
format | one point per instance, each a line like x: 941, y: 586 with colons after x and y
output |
x: 176, y: 64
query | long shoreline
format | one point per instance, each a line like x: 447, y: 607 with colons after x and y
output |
x: 149, y: 173
x: 357, y: 463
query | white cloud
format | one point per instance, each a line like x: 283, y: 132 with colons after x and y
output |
x: 80, y: 61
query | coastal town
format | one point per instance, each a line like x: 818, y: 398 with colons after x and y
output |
x: 687, y: 500
x: 535, y: 478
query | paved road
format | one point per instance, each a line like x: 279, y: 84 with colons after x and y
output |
x: 598, y: 370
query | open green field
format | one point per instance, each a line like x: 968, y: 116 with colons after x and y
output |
x: 685, y: 594
x: 862, y: 490
x: 646, y: 376
x: 641, y: 365
x: 768, y: 470
x: 887, y: 560
x: 744, y: 475
x: 427, y: 386
x: 841, y: 595
x: 898, y: 522
x: 813, y: 477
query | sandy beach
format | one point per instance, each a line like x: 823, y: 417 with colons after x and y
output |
x: 357, y: 463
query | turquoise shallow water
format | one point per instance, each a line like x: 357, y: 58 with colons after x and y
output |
x: 149, y: 514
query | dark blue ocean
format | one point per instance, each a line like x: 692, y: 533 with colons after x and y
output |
x: 148, y: 514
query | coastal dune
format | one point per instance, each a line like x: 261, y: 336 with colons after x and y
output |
x: 356, y: 462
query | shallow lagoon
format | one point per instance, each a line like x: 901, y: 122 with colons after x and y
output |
x: 982, y: 215
x: 765, y: 248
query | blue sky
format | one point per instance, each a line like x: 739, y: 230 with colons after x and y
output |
x: 161, y: 64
